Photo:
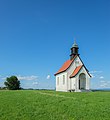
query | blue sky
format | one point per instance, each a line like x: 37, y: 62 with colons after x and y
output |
x: 36, y: 37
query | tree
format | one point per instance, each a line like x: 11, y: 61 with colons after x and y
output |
x: 12, y: 83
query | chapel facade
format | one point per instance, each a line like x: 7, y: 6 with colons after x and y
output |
x: 73, y: 75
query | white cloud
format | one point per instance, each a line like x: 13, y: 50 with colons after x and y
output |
x: 95, y: 71
x: 32, y: 77
x: 105, y: 84
x: 48, y: 77
x: 102, y: 81
x: 35, y: 83
x: 101, y: 77
x: 97, y: 74
x: 4, y: 78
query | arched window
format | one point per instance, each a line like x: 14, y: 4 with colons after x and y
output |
x: 63, y: 79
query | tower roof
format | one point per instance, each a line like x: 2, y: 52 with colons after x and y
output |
x: 75, y: 44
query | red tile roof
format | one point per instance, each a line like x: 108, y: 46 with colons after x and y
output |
x: 75, y: 72
x: 65, y: 66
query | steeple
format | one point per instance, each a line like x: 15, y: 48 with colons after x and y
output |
x: 74, y: 50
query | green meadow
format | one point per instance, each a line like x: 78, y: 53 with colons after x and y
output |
x: 51, y: 105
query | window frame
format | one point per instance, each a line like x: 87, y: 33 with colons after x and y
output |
x: 63, y: 79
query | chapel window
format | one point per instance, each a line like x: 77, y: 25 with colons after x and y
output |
x: 63, y: 79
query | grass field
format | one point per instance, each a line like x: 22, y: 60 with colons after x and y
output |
x: 51, y: 105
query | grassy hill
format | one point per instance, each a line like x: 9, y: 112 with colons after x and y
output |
x: 51, y: 105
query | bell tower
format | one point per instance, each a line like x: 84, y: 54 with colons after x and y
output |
x: 74, y: 50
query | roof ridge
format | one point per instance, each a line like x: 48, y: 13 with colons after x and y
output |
x: 66, y: 65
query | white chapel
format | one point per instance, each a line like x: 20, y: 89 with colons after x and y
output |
x: 73, y: 75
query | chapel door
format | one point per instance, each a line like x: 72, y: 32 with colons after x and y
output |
x: 82, y: 81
